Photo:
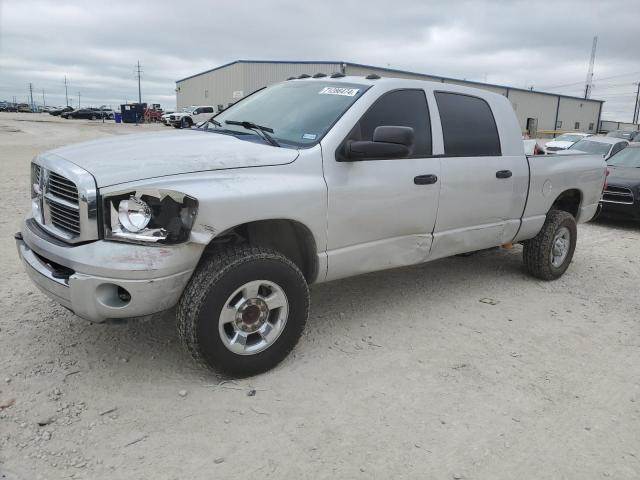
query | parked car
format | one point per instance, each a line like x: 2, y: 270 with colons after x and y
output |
x: 60, y: 111
x: 303, y: 182
x: 191, y: 116
x: 630, y: 135
x: 107, y: 112
x: 24, y: 107
x: 564, y: 141
x: 605, y: 146
x: 86, y: 113
x: 621, y: 196
x: 164, y: 118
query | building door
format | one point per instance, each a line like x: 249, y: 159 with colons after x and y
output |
x: 532, y: 127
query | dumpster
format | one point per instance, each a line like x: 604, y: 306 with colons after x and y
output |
x: 117, y: 117
x: 133, y: 112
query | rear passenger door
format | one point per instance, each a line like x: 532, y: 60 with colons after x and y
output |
x: 478, y: 206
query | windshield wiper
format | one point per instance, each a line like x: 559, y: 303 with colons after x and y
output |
x: 263, y: 131
x: 215, y: 122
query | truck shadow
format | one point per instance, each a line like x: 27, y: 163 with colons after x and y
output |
x: 335, y: 306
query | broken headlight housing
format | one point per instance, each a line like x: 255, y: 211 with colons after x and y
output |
x: 149, y: 216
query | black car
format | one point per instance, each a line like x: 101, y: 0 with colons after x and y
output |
x: 86, y: 113
x: 630, y: 135
x: 621, y: 197
x: 60, y: 111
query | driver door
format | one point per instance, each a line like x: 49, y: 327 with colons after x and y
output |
x: 381, y: 212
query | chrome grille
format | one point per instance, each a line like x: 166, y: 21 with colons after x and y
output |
x: 64, y: 199
x: 64, y: 218
x: 36, y: 173
x: 62, y: 187
x: 615, y: 194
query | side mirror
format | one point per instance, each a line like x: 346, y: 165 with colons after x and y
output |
x: 389, y: 142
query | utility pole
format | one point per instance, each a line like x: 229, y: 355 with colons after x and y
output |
x: 139, y: 90
x: 31, y: 95
x: 635, y: 107
x: 44, y: 104
x: 66, y: 94
x: 592, y: 61
x: 78, y: 100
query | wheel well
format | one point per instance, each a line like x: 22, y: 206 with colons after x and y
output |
x: 569, y: 201
x: 292, y: 239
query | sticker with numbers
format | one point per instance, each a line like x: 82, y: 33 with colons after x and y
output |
x: 346, y: 92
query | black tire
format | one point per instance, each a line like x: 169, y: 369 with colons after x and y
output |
x: 186, y: 122
x: 537, y: 251
x: 177, y: 125
x: 93, y: 117
x: 215, y: 279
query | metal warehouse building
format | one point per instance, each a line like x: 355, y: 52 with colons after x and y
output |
x: 539, y: 113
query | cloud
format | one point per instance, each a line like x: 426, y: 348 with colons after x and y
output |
x: 96, y: 44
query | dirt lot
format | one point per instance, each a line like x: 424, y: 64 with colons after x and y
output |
x: 401, y: 374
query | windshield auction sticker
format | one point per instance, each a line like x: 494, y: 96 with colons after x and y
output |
x: 347, y: 92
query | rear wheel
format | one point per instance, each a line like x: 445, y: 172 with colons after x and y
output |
x: 244, y: 310
x: 548, y: 255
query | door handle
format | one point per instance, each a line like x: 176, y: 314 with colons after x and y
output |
x: 425, y: 179
x: 504, y: 174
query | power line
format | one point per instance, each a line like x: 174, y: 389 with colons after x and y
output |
x: 595, y: 80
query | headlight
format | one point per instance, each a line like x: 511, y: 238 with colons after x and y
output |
x: 156, y: 216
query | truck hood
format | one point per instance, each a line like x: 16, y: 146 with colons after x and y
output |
x: 129, y: 158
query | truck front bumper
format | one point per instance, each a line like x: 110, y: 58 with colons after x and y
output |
x: 102, y: 280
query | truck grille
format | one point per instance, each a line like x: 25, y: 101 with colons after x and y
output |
x: 615, y: 194
x: 64, y: 200
x: 62, y: 187
x: 64, y: 218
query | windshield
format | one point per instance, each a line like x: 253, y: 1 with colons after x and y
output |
x: 299, y: 113
x: 620, y: 134
x: 589, y: 146
x: 568, y: 137
x: 629, y: 157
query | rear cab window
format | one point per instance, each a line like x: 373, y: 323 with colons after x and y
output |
x: 468, y: 126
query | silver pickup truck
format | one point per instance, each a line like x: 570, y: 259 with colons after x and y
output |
x: 306, y: 181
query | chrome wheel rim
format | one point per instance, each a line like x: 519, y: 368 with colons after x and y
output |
x: 253, y: 317
x: 560, y: 246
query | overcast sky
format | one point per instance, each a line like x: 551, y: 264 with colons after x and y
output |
x: 96, y: 44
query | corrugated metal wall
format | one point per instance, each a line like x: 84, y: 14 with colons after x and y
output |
x: 211, y: 88
x: 219, y: 86
x: 229, y: 83
x: 578, y: 115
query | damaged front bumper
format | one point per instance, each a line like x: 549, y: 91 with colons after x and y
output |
x: 103, y: 279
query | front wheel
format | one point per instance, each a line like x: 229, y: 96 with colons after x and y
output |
x: 186, y: 123
x: 548, y: 255
x: 243, y: 310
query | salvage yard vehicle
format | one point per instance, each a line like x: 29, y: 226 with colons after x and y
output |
x: 88, y: 114
x: 164, y: 118
x: 605, y: 146
x: 190, y: 116
x: 302, y: 182
x: 60, y: 111
x: 621, y: 196
x: 631, y: 135
x: 564, y: 141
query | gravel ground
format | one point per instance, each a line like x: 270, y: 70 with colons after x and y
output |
x: 401, y: 374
